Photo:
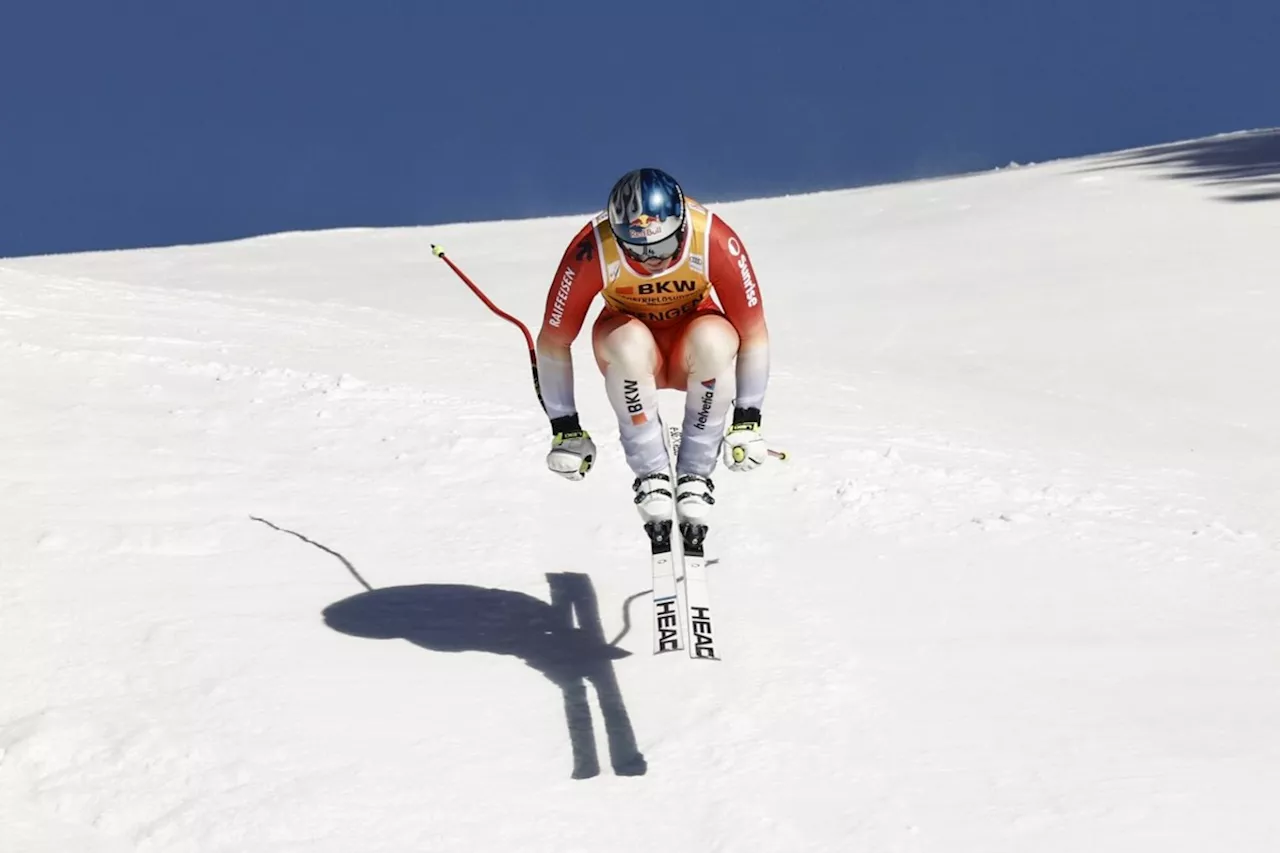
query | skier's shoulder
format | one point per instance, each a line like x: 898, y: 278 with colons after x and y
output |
x: 722, y: 239
x: 700, y: 216
x: 579, y: 266
x: 581, y: 251
x: 585, y: 245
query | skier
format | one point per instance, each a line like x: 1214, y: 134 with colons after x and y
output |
x: 656, y: 257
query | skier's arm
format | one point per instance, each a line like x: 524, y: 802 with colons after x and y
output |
x: 575, y: 285
x: 734, y: 278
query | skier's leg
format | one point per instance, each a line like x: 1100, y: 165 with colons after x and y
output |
x: 705, y: 352
x: 628, y: 356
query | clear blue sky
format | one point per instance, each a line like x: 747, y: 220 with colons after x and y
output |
x: 128, y: 124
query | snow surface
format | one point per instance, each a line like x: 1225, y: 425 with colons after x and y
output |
x: 282, y: 569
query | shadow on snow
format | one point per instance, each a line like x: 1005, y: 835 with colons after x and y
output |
x: 564, y: 640
x: 1245, y: 164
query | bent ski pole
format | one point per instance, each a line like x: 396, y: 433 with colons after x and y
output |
x: 438, y: 251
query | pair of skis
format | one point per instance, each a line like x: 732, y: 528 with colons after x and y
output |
x: 680, y: 621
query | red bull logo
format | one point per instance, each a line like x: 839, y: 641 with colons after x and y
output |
x: 646, y: 225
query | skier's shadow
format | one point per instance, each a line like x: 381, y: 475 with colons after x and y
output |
x: 454, y: 618
x: 563, y: 640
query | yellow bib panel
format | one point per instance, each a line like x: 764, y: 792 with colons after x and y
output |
x: 663, y: 297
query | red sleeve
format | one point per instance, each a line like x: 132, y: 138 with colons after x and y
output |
x: 734, y: 278
x: 738, y: 291
x: 575, y: 285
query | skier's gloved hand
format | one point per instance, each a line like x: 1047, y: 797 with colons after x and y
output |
x: 744, y: 446
x: 572, y: 450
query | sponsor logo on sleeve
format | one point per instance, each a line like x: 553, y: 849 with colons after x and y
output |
x: 562, y: 297
x: 744, y: 269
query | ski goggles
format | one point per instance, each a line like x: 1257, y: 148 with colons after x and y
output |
x: 665, y: 249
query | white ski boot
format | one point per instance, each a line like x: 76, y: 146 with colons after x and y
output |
x: 653, y: 497
x: 693, y: 499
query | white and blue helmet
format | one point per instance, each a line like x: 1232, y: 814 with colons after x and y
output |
x: 647, y: 214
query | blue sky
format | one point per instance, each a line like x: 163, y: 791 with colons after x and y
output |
x: 129, y: 124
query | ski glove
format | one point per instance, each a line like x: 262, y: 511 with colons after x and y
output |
x: 744, y: 447
x: 572, y: 450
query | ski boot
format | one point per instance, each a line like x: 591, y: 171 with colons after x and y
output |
x: 653, y: 497
x: 693, y: 499
x: 693, y: 509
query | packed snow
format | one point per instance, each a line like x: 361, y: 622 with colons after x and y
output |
x: 282, y: 567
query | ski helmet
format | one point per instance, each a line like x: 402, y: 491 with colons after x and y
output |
x: 647, y: 214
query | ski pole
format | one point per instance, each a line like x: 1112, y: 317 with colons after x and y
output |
x: 438, y: 251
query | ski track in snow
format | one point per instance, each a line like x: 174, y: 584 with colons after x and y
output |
x: 968, y: 614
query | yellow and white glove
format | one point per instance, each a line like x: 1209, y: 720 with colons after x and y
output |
x: 572, y: 450
x: 744, y: 446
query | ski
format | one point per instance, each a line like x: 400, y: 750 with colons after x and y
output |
x: 666, y: 602
x: 696, y: 601
x: 666, y: 607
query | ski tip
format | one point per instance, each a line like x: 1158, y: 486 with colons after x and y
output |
x: 438, y: 251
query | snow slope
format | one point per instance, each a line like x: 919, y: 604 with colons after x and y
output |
x: 281, y: 567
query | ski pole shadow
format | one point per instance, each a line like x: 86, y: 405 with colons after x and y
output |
x: 563, y: 639
x: 1247, y: 165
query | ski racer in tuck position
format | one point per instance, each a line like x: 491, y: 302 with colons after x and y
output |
x: 682, y: 310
